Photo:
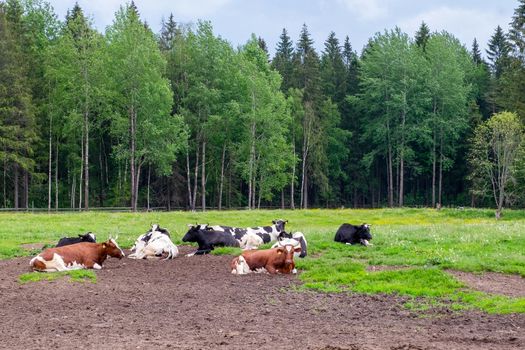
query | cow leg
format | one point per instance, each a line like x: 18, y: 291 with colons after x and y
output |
x: 271, y: 269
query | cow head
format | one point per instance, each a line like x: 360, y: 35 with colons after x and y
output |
x: 364, y: 234
x: 157, y: 228
x: 279, y: 224
x: 284, y: 235
x: 112, y: 248
x: 287, y: 251
x: 193, y: 232
x: 88, y: 237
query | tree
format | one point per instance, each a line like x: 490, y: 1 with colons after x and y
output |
x: 17, y: 118
x: 517, y: 31
x: 493, y: 156
x: 392, y: 73
x: 282, y: 61
x: 422, y: 36
x: 168, y: 32
x: 148, y: 134
x: 449, y: 92
x: 475, y: 53
x: 498, y: 52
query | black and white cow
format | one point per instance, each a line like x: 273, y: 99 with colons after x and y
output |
x: 87, y: 237
x: 352, y: 234
x: 297, y: 239
x: 207, y: 238
x: 253, y: 237
x: 154, y: 243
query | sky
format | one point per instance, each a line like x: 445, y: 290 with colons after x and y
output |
x: 236, y: 20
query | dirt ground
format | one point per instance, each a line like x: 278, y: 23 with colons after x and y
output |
x: 195, y: 303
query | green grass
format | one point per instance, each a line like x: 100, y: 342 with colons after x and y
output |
x: 426, y: 241
x: 75, y: 276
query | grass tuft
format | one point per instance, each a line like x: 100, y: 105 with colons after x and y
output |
x: 74, y: 276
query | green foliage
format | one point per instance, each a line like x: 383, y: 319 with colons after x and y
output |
x: 74, y: 276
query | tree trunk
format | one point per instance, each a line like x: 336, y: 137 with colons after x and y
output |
x: 15, y: 201
x: 73, y: 191
x: 221, y: 184
x: 56, y: 175
x: 25, y: 203
x: 203, y: 176
x: 4, y: 182
x: 86, y: 161
x: 194, y: 199
x: 390, y: 177
x: 81, y: 182
x: 50, y: 155
x: 440, y: 172
x: 292, y: 182
x: 132, y: 133
x: 101, y: 191
x: 434, y: 159
x: 188, y: 177
x: 251, y: 181
x: 137, y: 179
x: 149, y: 182
x: 282, y: 199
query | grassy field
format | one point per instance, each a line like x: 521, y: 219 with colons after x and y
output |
x: 426, y: 241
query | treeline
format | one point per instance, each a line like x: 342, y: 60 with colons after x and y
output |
x: 181, y: 119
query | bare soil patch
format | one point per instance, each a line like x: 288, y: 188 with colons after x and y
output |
x: 196, y: 303
x: 32, y: 246
x: 492, y: 282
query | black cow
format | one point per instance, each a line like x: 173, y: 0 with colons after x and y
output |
x: 207, y: 238
x: 253, y: 237
x: 296, y: 239
x: 351, y: 234
x: 87, y: 237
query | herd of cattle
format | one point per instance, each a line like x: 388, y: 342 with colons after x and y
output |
x: 82, y: 252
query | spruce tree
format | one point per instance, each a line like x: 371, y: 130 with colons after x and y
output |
x: 517, y: 30
x: 333, y: 70
x: 169, y: 30
x: 422, y: 36
x: 498, y: 52
x: 476, y: 54
x: 282, y: 60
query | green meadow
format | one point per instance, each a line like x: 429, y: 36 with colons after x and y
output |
x: 424, y: 242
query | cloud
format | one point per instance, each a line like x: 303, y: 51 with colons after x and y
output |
x: 366, y: 9
x: 465, y: 24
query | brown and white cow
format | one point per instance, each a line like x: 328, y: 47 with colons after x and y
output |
x: 274, y: 260
x: 78, y: 256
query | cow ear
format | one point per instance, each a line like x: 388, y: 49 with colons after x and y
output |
x: 273, y: 222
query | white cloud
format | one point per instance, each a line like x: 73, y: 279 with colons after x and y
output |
x: 366, y: 9
x: 465, y: 24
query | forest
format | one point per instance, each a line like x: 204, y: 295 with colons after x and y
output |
x: 181, y: 119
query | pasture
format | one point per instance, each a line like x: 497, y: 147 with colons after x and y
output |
x: 411, y: 279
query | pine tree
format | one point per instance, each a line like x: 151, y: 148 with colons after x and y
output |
x: 422, y: 36
x: 282, y: 60
x: 333, y: 70
x: 498, y: 52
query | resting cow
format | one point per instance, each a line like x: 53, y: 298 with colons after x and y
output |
x: 154, y: 243
x: 351, y: 234
x: 88, y: 237
x: 84, y: 255
x: 207, y: 238
x: 273, y: 260
x: 297, y: 239
x: 253, y: 237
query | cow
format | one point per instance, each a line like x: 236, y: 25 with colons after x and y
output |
x: 351, y: 234
x: 273, y: 260
x: 253, y: 237
x: 84, y: 255
x: 207, y: 238
x: 297, y: 239
x: 154, y: 243
x: 87, y: 237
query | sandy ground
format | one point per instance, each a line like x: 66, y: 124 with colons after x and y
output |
x: 196, y: 303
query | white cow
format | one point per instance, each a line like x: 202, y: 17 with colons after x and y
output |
x: 154, y: 243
